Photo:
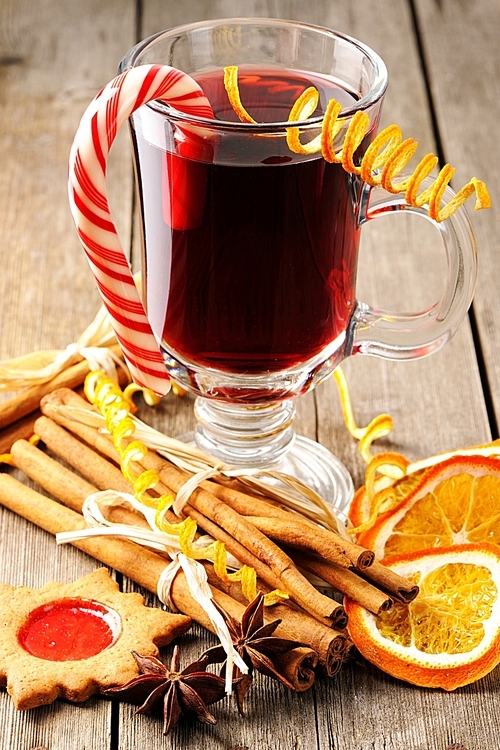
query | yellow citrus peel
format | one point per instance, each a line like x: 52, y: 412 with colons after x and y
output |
x: 116, y: 406
x: 394, y: 465
x: 379, y: 427
x: 233, y: 92
x: 150, y: 397
x: 385, y: 157
x: 177, y: 390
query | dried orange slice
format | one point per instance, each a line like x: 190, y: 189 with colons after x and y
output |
x: 454, y: 502
x: 449, y: 635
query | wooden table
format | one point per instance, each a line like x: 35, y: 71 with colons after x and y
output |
x: 444, y: 67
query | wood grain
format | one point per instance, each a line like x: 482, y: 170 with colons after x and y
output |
x: 54, y: 57
x: 464, y: 80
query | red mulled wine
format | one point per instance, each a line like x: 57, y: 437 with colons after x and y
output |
x: 250, y: 250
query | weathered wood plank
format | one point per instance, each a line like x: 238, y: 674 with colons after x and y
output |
x: 460, y: 42
x: 54, y: 57
x: 69, y: 53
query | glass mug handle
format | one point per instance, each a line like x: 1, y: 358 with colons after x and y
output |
x: 412, y: 335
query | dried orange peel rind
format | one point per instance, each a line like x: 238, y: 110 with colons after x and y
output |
x: 233, y: 94
x: 379, y: 427
x: 384, y: 160
x: 394, y: 465
x: 449, y: 636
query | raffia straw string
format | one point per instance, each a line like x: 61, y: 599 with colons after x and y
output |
x: 299, y: 497
x: 41, y: 366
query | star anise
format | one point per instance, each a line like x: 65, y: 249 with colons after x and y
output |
x: 257, y: 646
x: 187, y: 692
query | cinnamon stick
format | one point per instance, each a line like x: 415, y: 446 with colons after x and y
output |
x: 267, y: 581
x: 22, y: 428
x: 337, y: 618
x: 144, y: 568
x: 299, y: 535
x: 298, y: 666
x: 345, y: 581
x: 275, y: 521
x: 57, y: 480
x: 241, y: 553
x: 297, y: 625
x: 90, y: 435
x: 87, y: 462
x: 397, y: 586
x: 62, y: 483
x: 253, y: 540
x: 233, y: 493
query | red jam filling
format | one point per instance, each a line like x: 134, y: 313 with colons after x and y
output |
x: 69, y: 630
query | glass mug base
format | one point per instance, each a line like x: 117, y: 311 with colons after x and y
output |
x: 262, y: 438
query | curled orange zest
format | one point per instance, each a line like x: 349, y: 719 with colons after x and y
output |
x: 116, y: 406
x: 394, y: 465
x: 178, y: 390
x: 379, y: 427
x: 246, y: 575
x: 151, y: 398
x: 233, y: 93
x: 389, y: 464
x: 395, y: 155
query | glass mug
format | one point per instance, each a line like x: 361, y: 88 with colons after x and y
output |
x: 250, y: 250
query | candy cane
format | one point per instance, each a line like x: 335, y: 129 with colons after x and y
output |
x: 90, y: 209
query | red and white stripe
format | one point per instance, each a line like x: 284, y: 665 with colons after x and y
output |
x: 89, y: 205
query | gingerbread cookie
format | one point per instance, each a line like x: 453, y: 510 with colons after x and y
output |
x: 73, y: 640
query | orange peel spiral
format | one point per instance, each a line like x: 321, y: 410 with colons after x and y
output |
x: 385, y: 157
x: 233, y: 92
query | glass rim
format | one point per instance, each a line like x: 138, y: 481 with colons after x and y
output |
x: 374, y: 95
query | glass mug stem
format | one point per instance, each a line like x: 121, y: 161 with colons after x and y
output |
x: 249, y: 436
x: 253, y: 437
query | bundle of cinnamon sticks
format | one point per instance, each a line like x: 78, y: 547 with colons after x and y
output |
x: 280, y: 545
